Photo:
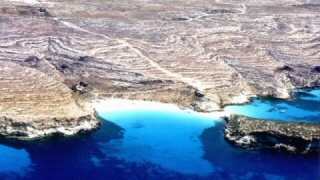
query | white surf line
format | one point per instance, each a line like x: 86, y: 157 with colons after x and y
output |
x: 178, y: 77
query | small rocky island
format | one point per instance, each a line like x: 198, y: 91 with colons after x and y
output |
x: 293, y: 137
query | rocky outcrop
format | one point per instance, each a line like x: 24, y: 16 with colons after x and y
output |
x: 293, y: 137
x: 230, y: 52
x: 160, y: 51
x: 35, y: 104
x: 219, y: 11
x: 46, y: 127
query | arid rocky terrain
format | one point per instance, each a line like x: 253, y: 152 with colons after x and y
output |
x: 58, y: 56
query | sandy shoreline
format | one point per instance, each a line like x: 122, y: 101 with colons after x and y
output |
x: 114, y: 104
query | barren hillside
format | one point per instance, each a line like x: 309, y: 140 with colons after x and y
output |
x: 198, y: 54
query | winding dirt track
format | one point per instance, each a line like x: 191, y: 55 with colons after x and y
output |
x: 176, y: 77
x: 162, y: 51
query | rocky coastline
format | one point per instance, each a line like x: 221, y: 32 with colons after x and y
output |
x: 292, y: 137
x: 57, y: 56
x: 23, y: 130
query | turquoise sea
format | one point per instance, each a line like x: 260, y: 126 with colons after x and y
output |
x: 147, y: 142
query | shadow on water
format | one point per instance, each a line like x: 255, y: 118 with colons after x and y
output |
x: 76, y: 158
x: 84, y: 157
x: 67, y: 157
x: 71, y: 158
x: 234, y: 162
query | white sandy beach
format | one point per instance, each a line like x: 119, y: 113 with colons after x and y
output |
x: 111, y: 105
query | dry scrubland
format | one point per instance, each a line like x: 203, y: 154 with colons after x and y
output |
x: 197, y: 54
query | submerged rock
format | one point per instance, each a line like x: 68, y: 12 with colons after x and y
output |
x: 293, y: 137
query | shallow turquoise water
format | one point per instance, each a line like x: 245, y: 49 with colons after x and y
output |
x: 168, y: 139
x: 305, y: 107
x: 166, y: 143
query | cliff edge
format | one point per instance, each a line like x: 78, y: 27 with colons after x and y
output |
x: 34, y: 104
x: 56, y: 56
x: 293, y: 137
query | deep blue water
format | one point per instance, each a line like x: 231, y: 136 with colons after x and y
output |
x: 166, y: 143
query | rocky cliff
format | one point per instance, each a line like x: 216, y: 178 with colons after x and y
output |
x: 200, y: 54
x: 35, y: 104
x: 294, y: 137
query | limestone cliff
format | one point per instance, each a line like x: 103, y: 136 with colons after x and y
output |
x: 34, y: 104
x: 200, y: 54
x: 294, y: 137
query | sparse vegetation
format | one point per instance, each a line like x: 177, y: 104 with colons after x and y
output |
x: 163, y: 51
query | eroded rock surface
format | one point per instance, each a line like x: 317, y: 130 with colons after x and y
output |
x: 36, y: 104
x: 162, y: 51
x: 294, y: 137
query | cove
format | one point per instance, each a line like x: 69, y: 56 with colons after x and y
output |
x: 159, y: 134
x: 146, y: 140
